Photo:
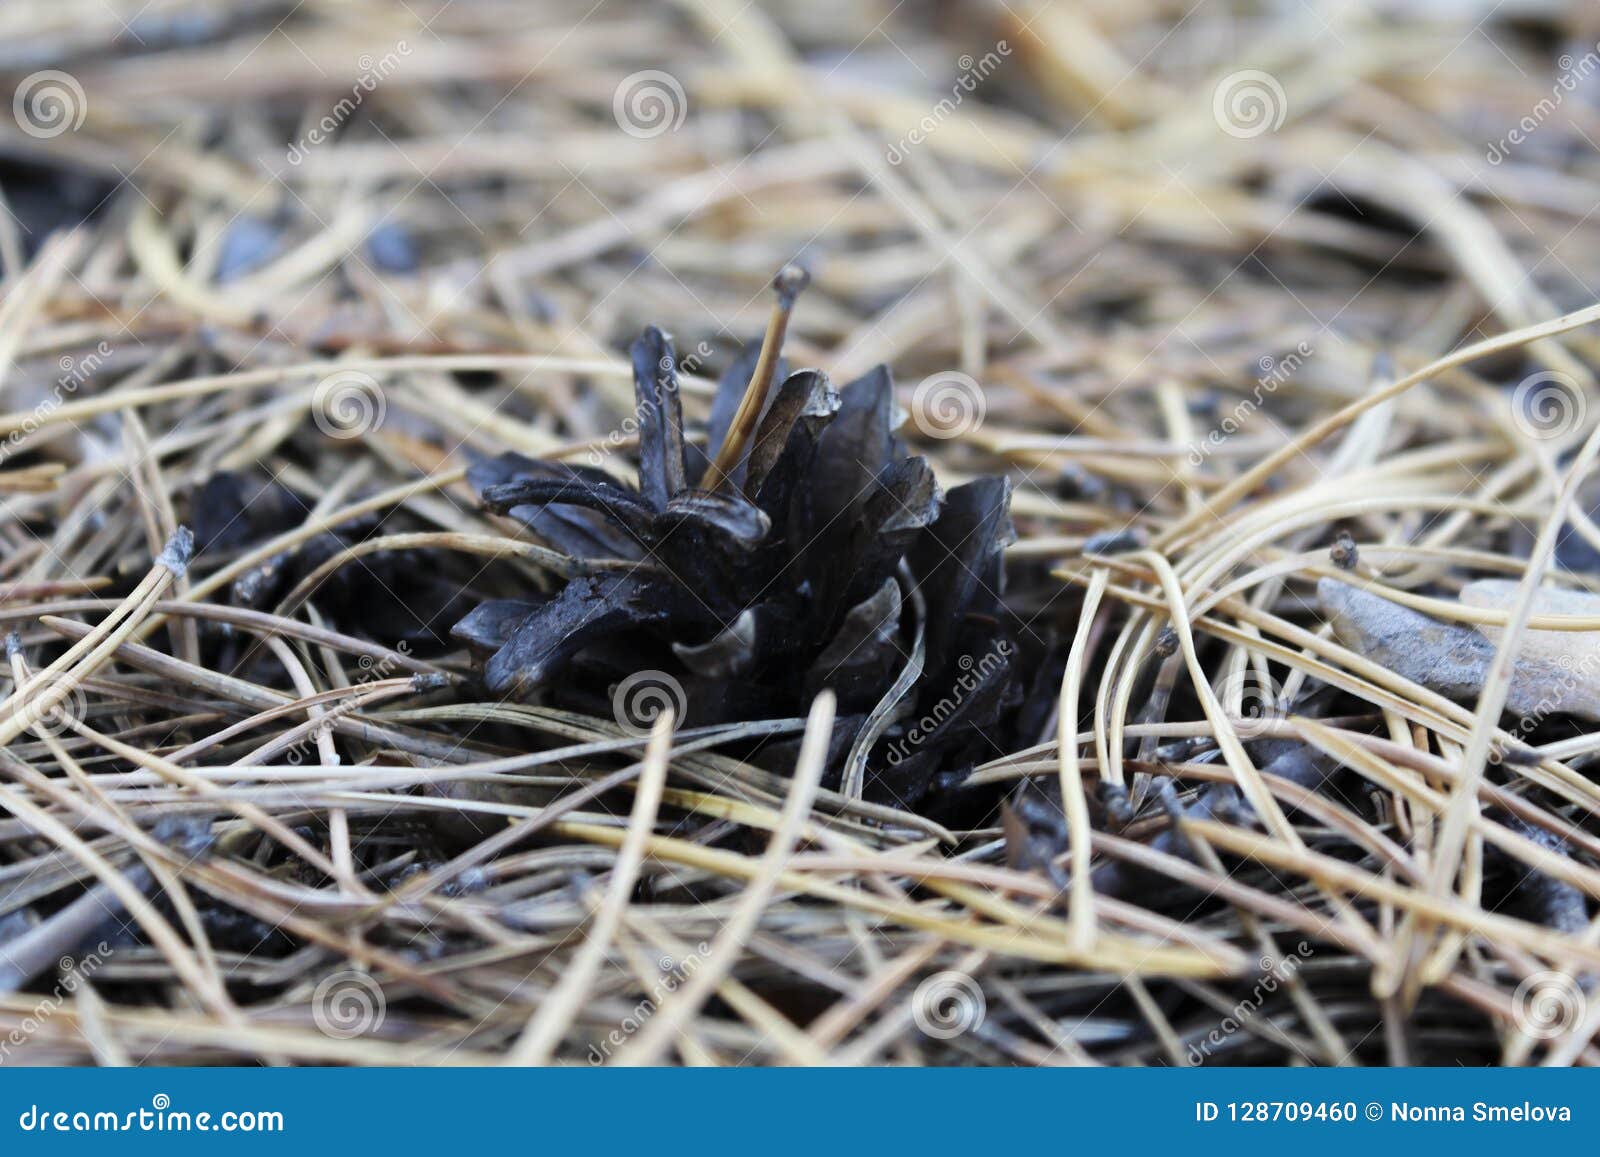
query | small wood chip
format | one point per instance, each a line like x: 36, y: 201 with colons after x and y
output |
x: 1556, y: 672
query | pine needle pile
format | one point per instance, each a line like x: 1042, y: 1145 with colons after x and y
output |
x: 469, y: 601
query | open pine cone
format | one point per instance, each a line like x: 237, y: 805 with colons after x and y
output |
x: 805, y: 550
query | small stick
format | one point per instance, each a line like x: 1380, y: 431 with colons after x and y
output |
x: 44, y: 944
x: 127, y: 889
x: 791, y: 279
